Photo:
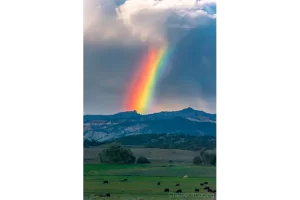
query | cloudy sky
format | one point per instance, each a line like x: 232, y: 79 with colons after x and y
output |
x: 117, y: 34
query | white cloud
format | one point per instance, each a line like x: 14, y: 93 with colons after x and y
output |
x: 141, y: 20
x: 100, y: 23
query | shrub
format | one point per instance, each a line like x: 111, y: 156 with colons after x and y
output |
x: 209, y: 157
x: 117, y: 154
x: 197, y: 160
x: 214, y: 160
x: 142, y: 160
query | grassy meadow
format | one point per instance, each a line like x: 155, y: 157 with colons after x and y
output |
x: 143, y: 178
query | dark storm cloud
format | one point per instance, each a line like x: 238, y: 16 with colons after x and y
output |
x: 107, y: 74
x: 189, y: 81
x: 108, y: 70
x: 193, y: 65
x: 191, y: 78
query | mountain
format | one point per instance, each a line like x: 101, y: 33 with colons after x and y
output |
x: 121, y: 115
x: 186, y: 121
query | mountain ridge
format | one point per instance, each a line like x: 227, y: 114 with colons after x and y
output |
x: 134, y: 111
x: 187, y: 121
x: 133, y: 114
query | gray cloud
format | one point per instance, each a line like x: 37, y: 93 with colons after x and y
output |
x: 142, y: 20
x: 117, y: 36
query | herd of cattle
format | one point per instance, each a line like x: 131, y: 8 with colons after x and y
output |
x: 208, y: 189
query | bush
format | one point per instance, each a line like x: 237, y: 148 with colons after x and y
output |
x: 214, y: 160
x: 197, y: 160
x: 142, y: 160
x: 209, y: 157
x: 117, y: 154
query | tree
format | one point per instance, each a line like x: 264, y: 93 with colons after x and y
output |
x: 209, y: 157
x: 214, y: 160
x: 202, y: 150
x: 117, y: 154
x: 142, y: 160
x: 197, y: 160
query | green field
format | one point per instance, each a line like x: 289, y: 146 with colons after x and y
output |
x: 142, y: 181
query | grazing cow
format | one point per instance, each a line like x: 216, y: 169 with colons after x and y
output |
x: 179, y: 191
x: 107, y: 195
x: 209, y: 190
x: 196, y: 190
x: 201, y: 184
x: 124, y: 180
x: 105, y: 182
x: 158, y: 183
x: 167, y: 190
x: 206, y: 188
x: 214, y: 191
x: 205, y: 183
x: 177, y: 184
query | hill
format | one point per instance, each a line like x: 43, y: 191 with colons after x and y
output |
x: 186, y: 121
x: 163, y: 141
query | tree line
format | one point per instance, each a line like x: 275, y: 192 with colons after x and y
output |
x: 164, y: 141
x: 118, y: 154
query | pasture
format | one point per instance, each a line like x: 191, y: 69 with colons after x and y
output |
x: 143, y: 178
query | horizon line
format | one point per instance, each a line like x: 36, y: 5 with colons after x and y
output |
x: 154, y: 112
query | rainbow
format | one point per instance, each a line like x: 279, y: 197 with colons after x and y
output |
x: 140, y: 95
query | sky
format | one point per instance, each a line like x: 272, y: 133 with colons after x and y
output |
x: 117, y: 35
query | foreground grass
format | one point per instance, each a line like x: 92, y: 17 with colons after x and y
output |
x: 142, y: 181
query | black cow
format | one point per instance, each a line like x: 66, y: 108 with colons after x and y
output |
x: 124, y: 180
x: 179, y: 191
x: 158, y: 183
x: 214, y: 191
x: 206, y: 188
x: 177, y: 184
x: 167, y: 190
x: 107, y: 194
x: 201, y: 184
x: 205, y: 183
x: 209, y: 190
x: 196, y: 190
x: 105, y: 182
